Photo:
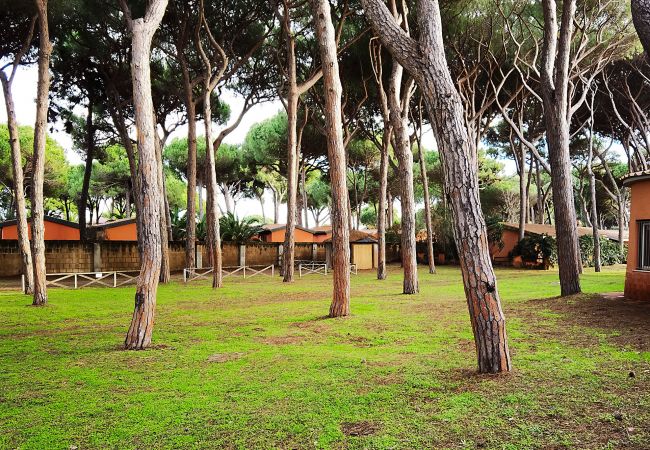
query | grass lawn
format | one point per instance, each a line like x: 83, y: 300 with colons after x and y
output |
x: 256, y: 365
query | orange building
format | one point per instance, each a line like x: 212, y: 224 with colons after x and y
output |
x: 510, y: 237
x: 55, y: 230
x: 637, y: 277
x: 274, y: 232
x: 116, y: 230
x: 321, y: 234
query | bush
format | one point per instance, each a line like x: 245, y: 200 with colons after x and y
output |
x: 535, y: 248
x: 609, y: 252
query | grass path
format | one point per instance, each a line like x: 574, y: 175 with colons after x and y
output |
x: 256, y: 365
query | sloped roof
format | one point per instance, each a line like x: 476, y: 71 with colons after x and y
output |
x: 359, y: 237
x: 633, y: 177
x: 538, y: 228
x: 67, y: 223
x: 269, y: 227
x: 113, y: 223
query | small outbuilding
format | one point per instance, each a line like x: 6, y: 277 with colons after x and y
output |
x: 637, y: 277
x: 55, y: 230
x: 274, y: 232
x: 363, y: 250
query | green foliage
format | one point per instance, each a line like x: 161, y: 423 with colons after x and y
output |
x: 239, y: 231
x: 369, y: 216
x: 610, y: 252
x: 535, y: 248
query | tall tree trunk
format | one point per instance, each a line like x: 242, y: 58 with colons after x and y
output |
x: 427, y: 207
x: 190, y: 234
x: 592, y: 187
x: 426, y: 62
x: 19, y: 188
x: 381, y: 215
x: 398, y: 114
x: 212, y: 218
x: 230, y: 209
x: 303, y: 182
x: 523, y: 193
x: 165, y: 270
x: 336, y: 154
x: 142, y: 31
x: 38, y: 160
x: 554, y: 82
x: 85, y: 186
x: 641, y: 19
x: 288, y: 252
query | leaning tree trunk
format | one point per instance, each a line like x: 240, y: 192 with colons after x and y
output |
x: 288, y: 252
x: 592, y: 190
x: 142, y: 31
x: 38, y: 160
x: 336, y: 154
x: 190, y: 215
x: 427, y: 209
x: 19, y: 188
x: 405, y: 174
x: 426, y: 62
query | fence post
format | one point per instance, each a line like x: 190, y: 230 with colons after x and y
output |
x: 114, y: 279
x: 184, y: 275
x: 75, y: 281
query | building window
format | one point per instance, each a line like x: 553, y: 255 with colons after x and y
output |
x: 644, y: 245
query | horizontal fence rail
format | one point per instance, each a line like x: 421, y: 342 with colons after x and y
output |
x: 80, y: 280
x: 244, y: 271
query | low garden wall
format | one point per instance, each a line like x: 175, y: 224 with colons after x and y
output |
x: 76, y: 256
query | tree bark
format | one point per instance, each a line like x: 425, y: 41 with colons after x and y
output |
x: 142, y: 31
x: 85, y: 186
x: 641, y: 19
x: 427, y: 208
x: 398, y: 114
x: 190, y: 215
x: 165, y: 270
x: 288, y: 252
x: 554, y: 82
x: 38, y: 160
x: 212, y: 219
x: 19, y: 188
x: 381, y: 215
x: 426, y: 62
x: 336, y: 154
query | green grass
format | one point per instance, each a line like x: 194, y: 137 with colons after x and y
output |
x: 398, y: 373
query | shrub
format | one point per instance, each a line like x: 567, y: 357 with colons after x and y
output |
x: 609, y: 251
x: 536, y: 247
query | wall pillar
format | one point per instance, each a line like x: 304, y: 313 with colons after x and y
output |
x: 97, y: 257
x: 242, y: 255
x: 198, y: 256
x: 328, y: 255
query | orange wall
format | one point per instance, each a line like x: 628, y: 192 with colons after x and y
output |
x: 126, y: 232
x: 510, y: 239
x: 278, y: 236
x: 322, y: 237
x: 637, y: 283
x: 53, y: 232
